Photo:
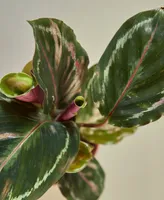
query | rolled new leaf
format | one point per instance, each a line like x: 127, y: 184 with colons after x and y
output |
x: 21, y: 86
x: 36, y: 95
x: 72, y: 109
x: 87, y: 184
x: 16, y: 84
x: 83, y: 157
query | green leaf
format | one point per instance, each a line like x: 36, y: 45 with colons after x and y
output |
x: 128, y: 84
x: 34, y: 152
x: 27, y: 68
x: 105, y: 135
x: 59, y: 63
x: 16, y: 84
x: 85, y: 185
x: 82, y: 158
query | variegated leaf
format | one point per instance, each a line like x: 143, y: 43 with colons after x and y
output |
x: 128, y: 84
x: 85, y: 185
x: 59, y: 63
x: 34, y: 152
x: 106, y: 134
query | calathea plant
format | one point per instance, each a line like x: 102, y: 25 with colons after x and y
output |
x: 55, y: 113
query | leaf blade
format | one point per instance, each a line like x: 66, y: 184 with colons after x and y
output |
x: 85, y: 185
x: 129, y: 76
x: 61, y: 58
x: 20, y: 159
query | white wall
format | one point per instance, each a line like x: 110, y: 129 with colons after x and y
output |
x: 134, y: 167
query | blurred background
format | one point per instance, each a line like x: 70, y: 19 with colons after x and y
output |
x: 134, y: 167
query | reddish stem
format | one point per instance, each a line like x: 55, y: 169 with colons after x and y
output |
x: 72, y: 109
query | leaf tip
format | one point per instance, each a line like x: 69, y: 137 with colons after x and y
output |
x: 30, y: 22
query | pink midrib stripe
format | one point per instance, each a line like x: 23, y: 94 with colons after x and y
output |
x: 20, y: 144
x: 127, y: 85
x: 87, y: 181
x: 135, y: 71
x: 51, y: 71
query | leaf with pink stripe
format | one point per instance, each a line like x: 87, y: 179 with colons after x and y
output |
x: 128, y: 82
x: 87, y: 184
x: 59, y: 63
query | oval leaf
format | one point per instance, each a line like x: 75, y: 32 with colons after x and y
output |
x: 85, y: 185
x: 82, y: 158
x: 59, y: 62
x: 128, y: 84
x: 30, y: 152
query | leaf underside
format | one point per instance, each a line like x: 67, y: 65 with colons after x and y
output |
x: 106, y: 135
x: 83, y: 157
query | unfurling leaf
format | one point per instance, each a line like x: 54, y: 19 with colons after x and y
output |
x: 85, y: 185
x: 72, y: 110
x: 105, y: 135
x: 82, y: 158
x: 36, y: 95
x: 128, y: 83
x: 33, y: 151
x: 16, y: 84
x: 59, y: 63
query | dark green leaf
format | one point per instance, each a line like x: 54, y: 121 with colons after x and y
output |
x: 59, y: 63
x: 85, y: 185
x: 82, y: 158
x: 128, y: 84
x: 34, y: 152
x: 105, y: 135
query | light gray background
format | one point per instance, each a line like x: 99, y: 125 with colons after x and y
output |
x: 134, y: 167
